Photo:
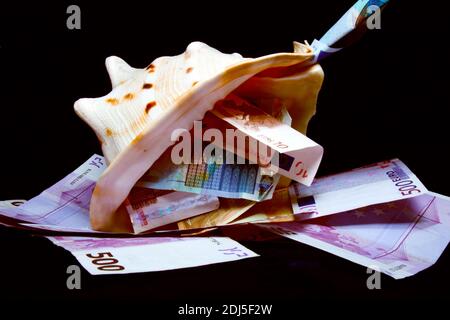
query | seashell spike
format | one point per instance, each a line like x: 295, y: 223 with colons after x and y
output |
x: 136, y: 121
x: 119, y: 71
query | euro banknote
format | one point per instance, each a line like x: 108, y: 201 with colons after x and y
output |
x: 229, y: 210
x: 381, y: 182
x: 12, y: 203
x: 289, y: 152
x: 225, y: 173
x: 65, y: 205
x: 129, y: 255
x: 278, y: 209
x: 216, y: 178
x: 399, y: 238
x: 149, y: 209
x: 377, y: 183
x: 5, y: 204
x: 347, y: 29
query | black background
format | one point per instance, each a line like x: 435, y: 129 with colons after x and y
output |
x: 384, y: 97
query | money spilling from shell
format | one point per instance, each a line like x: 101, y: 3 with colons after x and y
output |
x: 267, y: 100
x: 207, y: 139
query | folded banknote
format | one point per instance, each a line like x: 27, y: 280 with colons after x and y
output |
x: 290, y: 153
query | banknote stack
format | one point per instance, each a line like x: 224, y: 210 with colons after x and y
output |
x: 178, y: 213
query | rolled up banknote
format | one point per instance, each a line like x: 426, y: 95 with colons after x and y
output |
x: 377, y: 183
x: 131, y: 255
x: 347, y: 29
x: 398, y: 238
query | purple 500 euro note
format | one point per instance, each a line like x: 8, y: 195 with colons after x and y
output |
x: 130, y: 255
x: 399, y: 238
x: 65, y: 205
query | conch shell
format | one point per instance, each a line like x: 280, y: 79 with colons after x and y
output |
x: 134, y: 122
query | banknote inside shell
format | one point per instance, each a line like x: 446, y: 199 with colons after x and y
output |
x: 138, y: 120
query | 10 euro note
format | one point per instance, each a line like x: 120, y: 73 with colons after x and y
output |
x: 214, y: 177
x: 272, y: 142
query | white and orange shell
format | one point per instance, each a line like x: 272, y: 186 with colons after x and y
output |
x: 135, y: 121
